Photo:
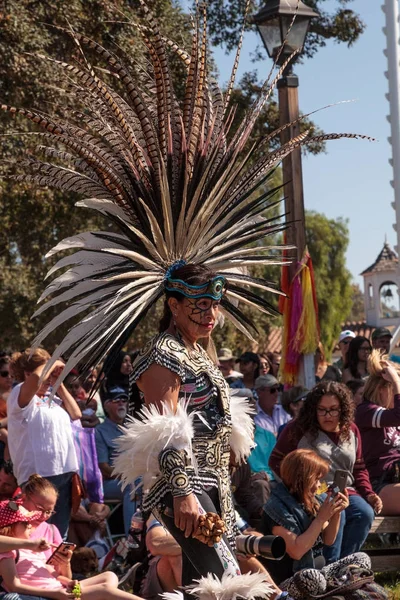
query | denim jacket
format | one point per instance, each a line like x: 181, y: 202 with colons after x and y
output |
x: 287, y: 512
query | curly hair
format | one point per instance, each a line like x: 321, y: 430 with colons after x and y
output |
x: 308, y: 420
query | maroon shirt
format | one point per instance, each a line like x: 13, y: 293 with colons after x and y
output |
x: 290, y: 438
x: 380, y: 433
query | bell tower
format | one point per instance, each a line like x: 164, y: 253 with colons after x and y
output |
x: 381, y: 289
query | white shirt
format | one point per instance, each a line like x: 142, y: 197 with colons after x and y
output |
x: 39, y: 438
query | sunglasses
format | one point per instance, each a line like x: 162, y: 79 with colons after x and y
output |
x: 116, y: 400
x: 4, y: 373
x: 272, y: 390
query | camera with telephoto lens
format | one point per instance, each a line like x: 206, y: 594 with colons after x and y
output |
x: 269, y: 546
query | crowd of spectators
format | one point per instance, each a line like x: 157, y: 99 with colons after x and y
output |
x: 349, y: 421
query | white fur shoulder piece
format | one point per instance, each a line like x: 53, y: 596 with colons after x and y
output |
x: 242, y: 439
x: 172, y: 596
x: 143, y: 440
x: 232, y: 587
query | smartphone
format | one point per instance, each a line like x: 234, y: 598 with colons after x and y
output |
x: 60, y: 550
x: 339, y: 481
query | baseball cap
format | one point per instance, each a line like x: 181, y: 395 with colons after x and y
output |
x: 380, y: 332
x: 13, y: 512
x: 225, y: 354
x: 249, y: 357
x: 116, y: 392
x: 265, y: 381
x: 345, y: 334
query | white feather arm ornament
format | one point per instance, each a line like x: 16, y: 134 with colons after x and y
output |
x: 143, y: 440
x: 231, y: 587
x: 242, y: 439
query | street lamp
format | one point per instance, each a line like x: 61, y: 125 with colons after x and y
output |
x: 273, y: 22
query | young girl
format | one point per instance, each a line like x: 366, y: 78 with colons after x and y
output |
x: 307, y: 522
x: 26, y: 572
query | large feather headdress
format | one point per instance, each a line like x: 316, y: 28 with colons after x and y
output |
x: 175, y: 180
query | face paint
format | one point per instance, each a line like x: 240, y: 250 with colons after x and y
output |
x: 197, y: 309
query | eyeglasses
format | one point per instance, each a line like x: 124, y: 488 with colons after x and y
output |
x: 39, y: 508
x: 4, y: 373
x: 116, y: 400
x: 272, y: 390
x: 333, y: 412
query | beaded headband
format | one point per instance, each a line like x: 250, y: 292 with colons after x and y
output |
x: 213, y: 289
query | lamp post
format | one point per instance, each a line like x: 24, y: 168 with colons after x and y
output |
x: 273, y: 22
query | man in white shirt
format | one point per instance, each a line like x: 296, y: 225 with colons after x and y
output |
x: 270, y: 414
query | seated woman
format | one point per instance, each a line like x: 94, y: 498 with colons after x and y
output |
x: 28, y: 572
x: 378, y: 418
x: 325, y: 425
x: 306, y: 521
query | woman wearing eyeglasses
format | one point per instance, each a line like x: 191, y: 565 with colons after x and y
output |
x: 38, y: 495
x: 326, y: 425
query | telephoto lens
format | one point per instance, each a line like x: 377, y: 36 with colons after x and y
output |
x: 269, y: 546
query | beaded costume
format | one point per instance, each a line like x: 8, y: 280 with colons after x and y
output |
x: 206, y: 391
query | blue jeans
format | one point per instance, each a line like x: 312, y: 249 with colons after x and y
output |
x: 355, y: 523
x: 113, y: 491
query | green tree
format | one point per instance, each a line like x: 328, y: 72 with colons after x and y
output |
x: 327, y: 241
x: 340, y: 23
x: 357, y: 311
x: 34, y: 219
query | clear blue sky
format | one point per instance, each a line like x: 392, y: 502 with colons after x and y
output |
x: 353, y: 179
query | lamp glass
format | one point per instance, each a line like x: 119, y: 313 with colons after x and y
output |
x: 297, y: 35
x: 271, y: 35
x: 274, y: 32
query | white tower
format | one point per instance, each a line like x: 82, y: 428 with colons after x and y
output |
x: 381, y: 289
x: 392, y: 52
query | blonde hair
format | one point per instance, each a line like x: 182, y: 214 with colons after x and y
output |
x: 25, y: 362
x: 375, y: 381
x: 37, y: 484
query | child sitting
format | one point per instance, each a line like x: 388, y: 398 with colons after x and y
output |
x: 26, y: 572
